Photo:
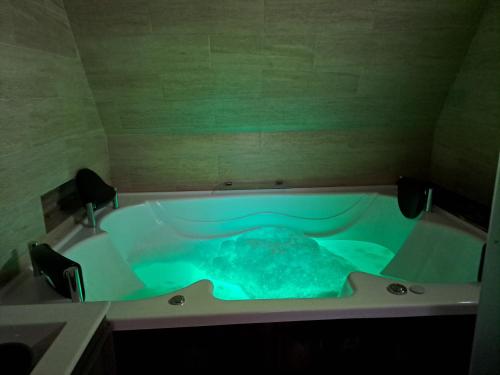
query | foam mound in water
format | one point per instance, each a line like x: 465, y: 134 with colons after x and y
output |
x: 273, y: 262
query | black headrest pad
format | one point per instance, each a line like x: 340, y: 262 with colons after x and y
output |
x: 411, y: 196
x: 92, y: 188
x: 52, y: 265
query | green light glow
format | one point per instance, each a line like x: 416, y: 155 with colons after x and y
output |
x: 266, y: 263
x: 253, y: 247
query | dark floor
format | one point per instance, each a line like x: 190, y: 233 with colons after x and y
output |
x: 425, y: 345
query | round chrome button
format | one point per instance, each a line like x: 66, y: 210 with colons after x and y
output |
x: 177, y: 300
x: 417, y: 289
x: 397, y: 289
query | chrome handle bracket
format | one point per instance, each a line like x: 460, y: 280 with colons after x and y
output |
x: 72, y: 275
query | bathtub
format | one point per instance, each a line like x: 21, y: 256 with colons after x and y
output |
x: 228, y: 257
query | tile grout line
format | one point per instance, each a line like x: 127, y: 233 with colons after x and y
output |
x: 209, y: 53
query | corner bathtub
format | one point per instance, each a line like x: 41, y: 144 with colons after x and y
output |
x: 275, y: 255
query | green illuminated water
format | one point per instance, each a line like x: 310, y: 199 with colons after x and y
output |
x: 265, y: 263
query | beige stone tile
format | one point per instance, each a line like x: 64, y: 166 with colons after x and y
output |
x: 20, y: 223
x: 231, y: 84
x: 282, y: 114
x: 24, y: 73
x: 393, y: 15
x: 49, y: 117
x: 109, y: 6
x: 293, y: 17
x: 238, y: 115
x: 146, y: 147
x: 345, y: 140
x: 120, y: 24
x: 89, y: 150
x: 182, y: 16
x: 144, y: 53
x: 119, y: 179
x: 116, y: 87
x: 48, y: 31
x: 343, y: 17
x: 289, y: 52
x: 96, y: 18
x: 460, y: 172
x: 57, y: 7
x: 13, y: 133
x: 233, y: 144
x: 467, y: 134
x: 359, y: 75
x: 491, y: 17
x: 486, y: 54
x: 278, y: 113
x: 6, y: 27
x: 314, y: 168
x: 188, y: 84
x: 188, y: 116
x: 32, y: 170
x: 345, y: 53
x: 236, y: 52
x: 171, y: 171
x: 32, y: 122
x: 238, y: 17
x: 283, y: 83
x: 444, y: 44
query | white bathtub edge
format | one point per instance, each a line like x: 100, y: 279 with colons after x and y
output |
x: 372, y: 302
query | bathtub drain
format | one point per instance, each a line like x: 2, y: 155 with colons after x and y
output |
x: 397, y: 289
x: 177, y: 300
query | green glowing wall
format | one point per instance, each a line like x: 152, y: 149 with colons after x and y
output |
x: 49, y: 125
x: 315, y: 92
x: 467, y: 137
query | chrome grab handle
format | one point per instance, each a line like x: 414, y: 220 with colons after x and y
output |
x: 115, y: 201
x: 90, y: 208
x: 428, y: 202
x: 72, y: 275
x: 31, y: 246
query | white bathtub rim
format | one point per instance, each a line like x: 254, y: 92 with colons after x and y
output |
x: 156, y: 312
x: 105, y: 213
x: 366, y: 302
x: 132, y: 199
x: 129, y: 198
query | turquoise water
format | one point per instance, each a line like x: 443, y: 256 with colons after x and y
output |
x: 264, y: 263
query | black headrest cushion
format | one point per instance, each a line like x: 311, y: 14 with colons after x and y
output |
x: 92, y: 188
x: 52, y: 264
x: 411, y: 197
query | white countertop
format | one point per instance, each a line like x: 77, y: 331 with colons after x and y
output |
x: 80, y: 322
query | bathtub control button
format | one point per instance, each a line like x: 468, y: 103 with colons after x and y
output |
x: 397, y: 289
x: 417, y: 289
x: 177, y: 300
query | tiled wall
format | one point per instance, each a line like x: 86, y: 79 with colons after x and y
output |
x: 315, y: 92
x: 467, y: 137
x: 49, y: 125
